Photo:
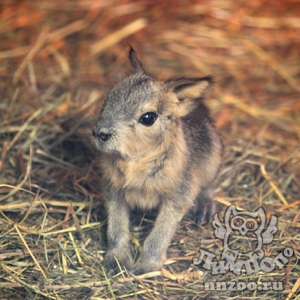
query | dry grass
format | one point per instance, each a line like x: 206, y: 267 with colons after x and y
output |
x: 56, y: 61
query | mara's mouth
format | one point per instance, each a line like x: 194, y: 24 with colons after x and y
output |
x: 107, y: 147
x: 103, y: 146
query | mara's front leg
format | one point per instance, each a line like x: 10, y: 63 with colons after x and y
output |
x: 118, y: 235
x: 155, y: 247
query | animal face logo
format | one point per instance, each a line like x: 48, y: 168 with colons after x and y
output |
x: 241, y: 225
x: 237, y: 225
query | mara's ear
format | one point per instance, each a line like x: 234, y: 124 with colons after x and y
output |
x: 135, y: 63
x: 187, y: 92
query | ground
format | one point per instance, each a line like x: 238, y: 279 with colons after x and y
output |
x: 57, y: 60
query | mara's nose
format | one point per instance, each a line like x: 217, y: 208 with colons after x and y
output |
x: 103, y: 135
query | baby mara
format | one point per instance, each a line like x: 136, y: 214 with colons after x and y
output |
x: 159, y: 149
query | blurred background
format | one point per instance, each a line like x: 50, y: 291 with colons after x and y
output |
x: 57, y: 60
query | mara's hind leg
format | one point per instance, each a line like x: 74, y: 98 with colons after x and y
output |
x: 204, y: 206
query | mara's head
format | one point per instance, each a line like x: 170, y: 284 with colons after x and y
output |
x: 141, y: 114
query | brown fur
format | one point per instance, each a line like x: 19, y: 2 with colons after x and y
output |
x: 170, y: 164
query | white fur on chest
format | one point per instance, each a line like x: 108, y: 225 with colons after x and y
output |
x: 141, y: 199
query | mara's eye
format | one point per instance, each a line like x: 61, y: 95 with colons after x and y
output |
x: 148, y: 118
